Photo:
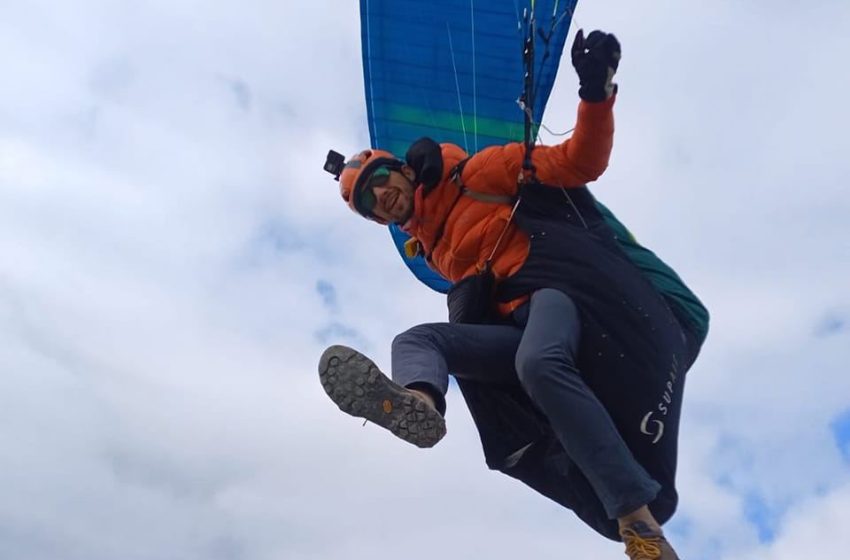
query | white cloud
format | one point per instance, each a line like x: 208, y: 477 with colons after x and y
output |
x: 165, y: 225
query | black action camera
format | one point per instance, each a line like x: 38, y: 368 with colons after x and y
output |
x: 335, y: 164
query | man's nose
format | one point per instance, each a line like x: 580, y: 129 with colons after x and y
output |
x: 380, y: 193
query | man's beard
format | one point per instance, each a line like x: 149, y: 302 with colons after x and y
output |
x: 407, y: 215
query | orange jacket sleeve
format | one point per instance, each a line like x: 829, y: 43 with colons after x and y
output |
x: 578, y: 160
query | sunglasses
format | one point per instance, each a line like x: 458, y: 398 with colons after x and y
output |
x: 366, y: 199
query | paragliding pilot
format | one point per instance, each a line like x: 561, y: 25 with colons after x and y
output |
x: 570, y: 342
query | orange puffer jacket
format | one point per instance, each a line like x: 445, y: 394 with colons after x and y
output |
x: 471, y: 227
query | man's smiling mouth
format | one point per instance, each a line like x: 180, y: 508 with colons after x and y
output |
x: 393, y: 201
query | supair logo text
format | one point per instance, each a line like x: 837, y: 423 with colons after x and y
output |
x: 652, y: 423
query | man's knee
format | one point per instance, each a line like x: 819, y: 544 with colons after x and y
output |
x: 529, y: 365
x: 536, y: 367
x: 557, y: 301
x: 417, y: 336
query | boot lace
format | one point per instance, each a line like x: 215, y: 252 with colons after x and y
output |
x: 641, y: 548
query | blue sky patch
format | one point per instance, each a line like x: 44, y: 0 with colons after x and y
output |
x: 681, y: 526
x: 280, y: 237
x: 328, y: 293
x: 832, y: 324
x: 241, y: 94
x: 336, y: 333
x: 761, y: 515
x: 758, y: 509
x: 841, y: 432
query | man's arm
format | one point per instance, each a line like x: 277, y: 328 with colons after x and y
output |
x: 584, y: 157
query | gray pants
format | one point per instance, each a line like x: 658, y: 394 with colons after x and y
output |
x: 538, y: 352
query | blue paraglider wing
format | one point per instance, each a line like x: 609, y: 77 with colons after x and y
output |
x: 453, y: 70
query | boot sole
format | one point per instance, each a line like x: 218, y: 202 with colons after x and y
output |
x: 359, y: 388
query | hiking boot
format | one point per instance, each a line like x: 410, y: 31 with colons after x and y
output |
x: 359, y: 388
x: 642, y: 543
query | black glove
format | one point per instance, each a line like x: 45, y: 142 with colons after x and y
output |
x: 595, y: 60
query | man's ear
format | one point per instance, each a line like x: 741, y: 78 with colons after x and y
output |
x: 408, y: 172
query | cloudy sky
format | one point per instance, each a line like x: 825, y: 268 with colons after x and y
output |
x: 173, y: 260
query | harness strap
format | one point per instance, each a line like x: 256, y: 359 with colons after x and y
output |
x: 490, y: 198
x: 439, y: 236
x: 456, y: 175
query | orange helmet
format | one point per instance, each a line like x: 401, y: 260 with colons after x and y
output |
x: 355, y: 174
